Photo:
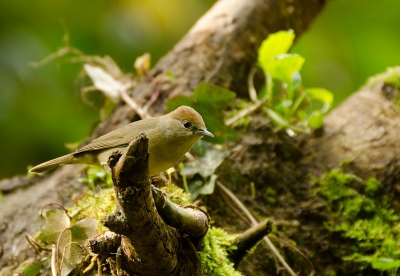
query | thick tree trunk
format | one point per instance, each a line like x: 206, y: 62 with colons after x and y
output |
x: 363, y: 132
x: 221, y: 48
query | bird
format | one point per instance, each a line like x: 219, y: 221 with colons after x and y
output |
x: 170, y: 137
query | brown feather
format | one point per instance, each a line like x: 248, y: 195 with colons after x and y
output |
x: 189, y: 114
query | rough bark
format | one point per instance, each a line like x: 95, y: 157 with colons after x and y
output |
x: 220, y: 48
x: 363, y: 133
x: 150, y: 247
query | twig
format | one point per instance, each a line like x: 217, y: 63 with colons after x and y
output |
x: 65, y: 247
x: 244, y: 113
x: 35, y: 244
x: 129, y: 101
x: 254, y: 223
x: 58, y: 267
x: 156, y: 91
x: 153, y: 98
x: 54, y: 203
x: 253, y: 97
x: 91, y: 265
x: 185, y: 184
x: 299, y: 252
x: 250, y: 84
x: 235, y: 210
x: 53, y: 260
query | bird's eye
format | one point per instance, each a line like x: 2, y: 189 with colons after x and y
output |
x: 186, y: 124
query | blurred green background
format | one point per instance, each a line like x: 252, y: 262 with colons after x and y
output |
x: 41, y: 109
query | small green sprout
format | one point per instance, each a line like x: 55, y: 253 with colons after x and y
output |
x: 289, y: 105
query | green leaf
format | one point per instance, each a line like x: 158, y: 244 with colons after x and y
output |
x: 56, y: 221
x: 276, y: 44
x: 202, y: 188
x: 316, y: 120
x: 298, y: 101
x: 302, y: 114
x: 320, y: 94
x: 284, y: 66
x: 73, y: 241
x: 178, y: 101
x: 202, y: 172
x: 204, y: 93
x: 296, y: 80
x: 83, y: 230
x: 33, y: 269
x: 276, y: 118
x: 210, y: 101
x: 206, y: 165
x: 385, y: 263
x: 212, y: 94
x: 286, y: 103
x: 201, y: 147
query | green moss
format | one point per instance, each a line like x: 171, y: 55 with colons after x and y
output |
x: 96, y: 176
x: 94, y: 205
x: 271, y: 195
x: 372, y: 186
x: 391, y: 82
x: 367, y: 224
x: 100, y: 204
x: 176, y: 195
x: 214, y: 255
x: 391, y: 76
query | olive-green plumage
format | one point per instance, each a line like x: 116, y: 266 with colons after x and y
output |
x: 170, y: 137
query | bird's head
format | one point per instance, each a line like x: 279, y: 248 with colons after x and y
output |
x: 190, y: 120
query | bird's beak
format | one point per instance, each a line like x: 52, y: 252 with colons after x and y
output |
x: 204, y: 132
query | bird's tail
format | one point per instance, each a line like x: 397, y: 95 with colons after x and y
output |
x: 53, y: 163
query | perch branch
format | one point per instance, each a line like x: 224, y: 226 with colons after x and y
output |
x: 150, y: 238
x: 189, y: 220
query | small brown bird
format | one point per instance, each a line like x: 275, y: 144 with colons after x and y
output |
x: 170, y: 137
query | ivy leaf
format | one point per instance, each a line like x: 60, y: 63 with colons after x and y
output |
x: 80, y: 232
x: 206, y: 165
x: 284, y: 66
x: 210, y: 101
x: 214, y: 95
x: 200, y: 187
x: 34, y: 269
x: 56, y: 221
x: 202, y: 172
x: 320, y: 94
x: 178, y: 101
x: 316, y: 119
x: 83, y: 230
x: 276, y: 44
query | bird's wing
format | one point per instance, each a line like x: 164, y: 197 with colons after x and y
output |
x: 121, y: 136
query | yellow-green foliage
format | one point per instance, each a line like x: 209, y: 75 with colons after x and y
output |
x: 214, y: 255
x: 390, y: 77
x: 176, y: 195
x: 100, y: 204
x: 97, y: 177
x: 367, y: 223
